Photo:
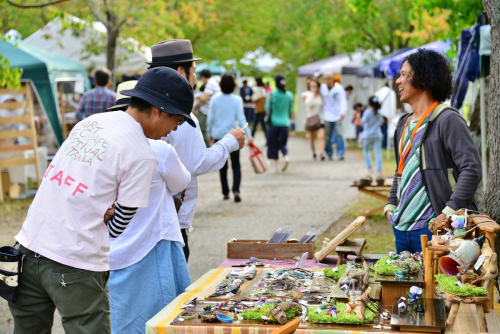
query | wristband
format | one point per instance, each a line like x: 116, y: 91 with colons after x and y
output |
x: 232, y: 315
x: 224, y: 317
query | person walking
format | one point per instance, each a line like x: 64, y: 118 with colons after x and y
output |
x: 212, y: 87
x: 98, y: 99
x: 334, y: 109
x: 357, y: 114
x: 188, y: 141
x: 89, y: 193
x: 246, y: 94
x: 372, y: 134
x: 259, y: 98
x: 314, y: 116
x: 438, y: 163
x: 225, y: 111
x: 149, y: 253
x: 279, y: 106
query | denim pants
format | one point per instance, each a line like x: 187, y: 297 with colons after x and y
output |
x: 410, y: 240
x: 332, y: 134
x: 259, y: 118
x: 375, y: 144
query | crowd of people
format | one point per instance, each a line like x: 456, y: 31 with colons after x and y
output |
x: 105, y: 240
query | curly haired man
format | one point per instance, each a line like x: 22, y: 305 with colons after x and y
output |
x: 438, y: 164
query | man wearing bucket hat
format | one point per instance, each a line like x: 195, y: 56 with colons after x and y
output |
x: 105, y: 161
x: 149, y: 253
x: 188, y: 142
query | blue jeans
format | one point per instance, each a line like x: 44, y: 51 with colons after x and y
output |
x: 375, y: 144
x: 332, y: 135
x: 410, y: 240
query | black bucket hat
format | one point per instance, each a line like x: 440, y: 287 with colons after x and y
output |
x: 165, y: 89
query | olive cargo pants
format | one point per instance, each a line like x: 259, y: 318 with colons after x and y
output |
x: 80, y: 296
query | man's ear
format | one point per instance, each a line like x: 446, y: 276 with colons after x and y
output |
x: 156, y: 112
x: 180, y: 69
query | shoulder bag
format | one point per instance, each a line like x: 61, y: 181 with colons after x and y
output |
x: 313, y: 123
x: 267, y: 119
x: 9, y: 279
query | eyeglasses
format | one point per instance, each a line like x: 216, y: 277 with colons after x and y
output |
x: 182, y: 119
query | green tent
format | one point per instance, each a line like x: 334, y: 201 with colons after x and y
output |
x: 43, y: 69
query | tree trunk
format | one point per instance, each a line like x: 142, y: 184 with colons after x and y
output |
x: 111, y: 54
x: 491, y: 199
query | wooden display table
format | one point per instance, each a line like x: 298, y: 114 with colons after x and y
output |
x: 350, y: 247
x: 432, y: 320
x: 374, y: 190
x: 394, y: 288
x: 455, y: 302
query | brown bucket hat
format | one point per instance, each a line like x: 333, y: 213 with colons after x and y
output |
x: 173, y: 51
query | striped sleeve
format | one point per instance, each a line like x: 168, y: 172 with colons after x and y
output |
x: 117, y: 224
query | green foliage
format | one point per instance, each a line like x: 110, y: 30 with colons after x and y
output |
x: 9, y: 77
x: 342, y: 318
x: 384, y: 268
x: 449, y: 284
x: 258, y: 312
x: 336, y: 275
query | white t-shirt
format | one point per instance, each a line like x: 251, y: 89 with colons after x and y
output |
x: 158, y: 221
x: 199, y: 160
x: 212, y: 87
x: 106, y: 158
x: 334, y: 102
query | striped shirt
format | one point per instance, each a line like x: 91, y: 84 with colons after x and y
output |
x: 414, y: 211
x: 117, y: 224
x: 371, y: 123
x: 95, y: 101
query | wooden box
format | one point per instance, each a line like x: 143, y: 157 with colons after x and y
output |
x: 244, y: 249
x: 393, y: 288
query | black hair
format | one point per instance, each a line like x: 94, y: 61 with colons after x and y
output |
x: 186, y: 66
x: 227, y: 83
x: 349, y: 88
x: 374, y: 103
x: 431, y: 72
x: 259, y: 82
x: 245, y: 82
x: 102, y: 76
x: 360, y: 105
x: 202, y: 88
x: 206, y: 73
x: 140, y: 105
x: 280, y: 82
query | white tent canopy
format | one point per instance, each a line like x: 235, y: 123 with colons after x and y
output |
x: 344, y: 63
x: 55, y: 39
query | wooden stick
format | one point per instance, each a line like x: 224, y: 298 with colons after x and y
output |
x: 450, y: 322
x: 339, y: 239
x: 483, y: 327
x: 428, y: 268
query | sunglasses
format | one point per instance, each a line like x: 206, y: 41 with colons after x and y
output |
x: 182, y: 119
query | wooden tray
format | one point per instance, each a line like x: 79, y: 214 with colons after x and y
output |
x: 245, y: 249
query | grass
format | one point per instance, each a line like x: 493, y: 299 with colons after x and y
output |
x: 14, y: 210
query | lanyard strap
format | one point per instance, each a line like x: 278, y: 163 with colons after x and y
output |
x: 402, y: 157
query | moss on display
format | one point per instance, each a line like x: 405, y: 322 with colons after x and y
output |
x: 449, y: 284
x: 342, y: 318
x: 384, y: 268
x: 336, y: 275
x: 258, y: 312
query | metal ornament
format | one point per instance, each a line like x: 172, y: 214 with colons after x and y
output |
x: 63, y: 284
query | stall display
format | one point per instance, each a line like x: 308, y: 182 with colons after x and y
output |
x: 341, y: 313
x: 402, y: 265
x: 450, y: 284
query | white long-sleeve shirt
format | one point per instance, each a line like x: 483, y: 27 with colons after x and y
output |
x: 334, y: 102
x: 158, y: 221
x: 387, y: 98
x: 199, y: 160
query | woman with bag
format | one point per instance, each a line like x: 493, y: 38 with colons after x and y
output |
x: 372, y: 134
x: 279, y: 106
x: 314, y: 117
x: 259, y: 98
x: 225, y: 111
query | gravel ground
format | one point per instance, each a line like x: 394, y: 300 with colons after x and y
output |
x: 309, y: 194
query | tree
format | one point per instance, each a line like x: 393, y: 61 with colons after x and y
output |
x: 491, y: 198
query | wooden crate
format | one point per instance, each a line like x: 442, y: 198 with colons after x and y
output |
x: 244, y: 249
